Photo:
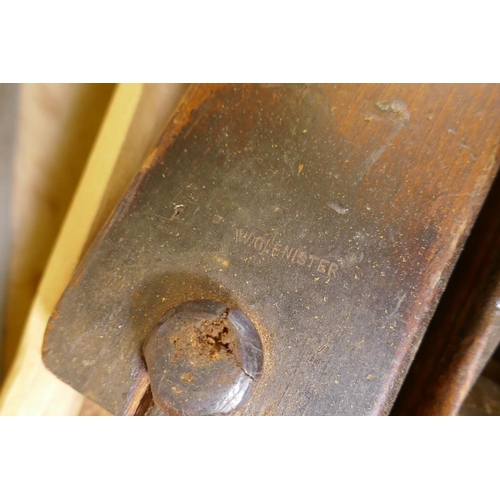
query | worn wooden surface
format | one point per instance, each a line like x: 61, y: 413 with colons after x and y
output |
x: 465, y: 331
x: 376, y: 187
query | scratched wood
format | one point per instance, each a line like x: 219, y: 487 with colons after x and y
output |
x: 331, y: 215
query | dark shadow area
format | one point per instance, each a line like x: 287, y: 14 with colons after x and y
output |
x: 465, y: 329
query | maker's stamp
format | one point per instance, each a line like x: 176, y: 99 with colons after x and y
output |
x: 293, y: 254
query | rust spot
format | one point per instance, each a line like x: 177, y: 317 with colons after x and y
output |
x: 204, y: 358
x: 209, y: 341
x: 188, y: 378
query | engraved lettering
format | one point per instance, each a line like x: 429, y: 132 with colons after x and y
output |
x: 333, y: 267
x: 302, y: 259
x: 258, y: 244
x: 243, y: 236
x: 316, y: 264
x: 313, y: 258
x: 276, y: 248
x: 267, y: 249
x: 285, y: 252
x: 322, y: 266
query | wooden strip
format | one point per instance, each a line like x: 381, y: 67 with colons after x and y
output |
x: 155, y: 107
x: 57, y: 128
x: 8, y: 119
x: 29, y: 387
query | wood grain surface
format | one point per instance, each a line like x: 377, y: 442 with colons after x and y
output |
x: 465, y: 331
x: 57, y: 126
x: 8, y: 127
x: 484, y: 397
x: 376, y: 185
x: 30, y: 389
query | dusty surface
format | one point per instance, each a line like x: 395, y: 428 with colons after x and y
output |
x: 206, y: 342
x: 334, y: 234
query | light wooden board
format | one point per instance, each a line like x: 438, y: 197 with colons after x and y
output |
x: 8, y: 118
x: 57, y: 126
x: 133, y: 122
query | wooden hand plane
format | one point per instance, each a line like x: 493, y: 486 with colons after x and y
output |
x: 281, y: 252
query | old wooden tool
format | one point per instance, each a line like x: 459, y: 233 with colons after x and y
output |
x: 330, y: 216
